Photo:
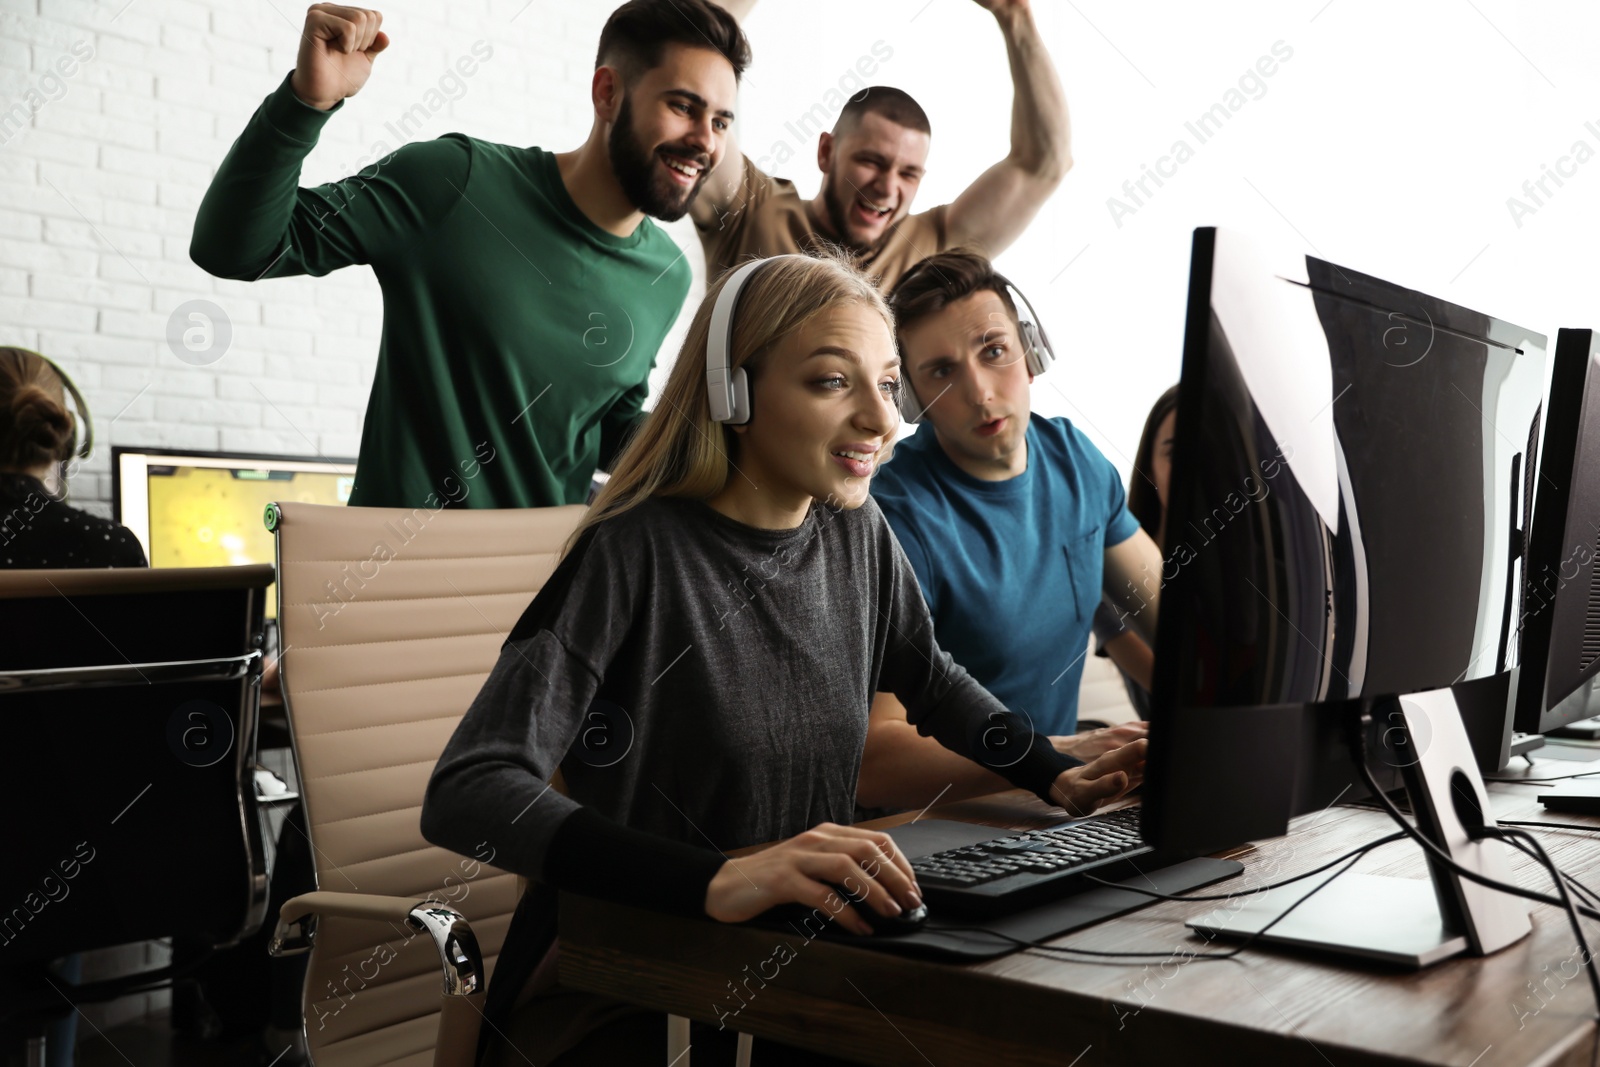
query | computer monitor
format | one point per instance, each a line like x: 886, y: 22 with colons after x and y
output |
x: 1560, y: 617
x: 1344, y: 530
x: 204, y: 509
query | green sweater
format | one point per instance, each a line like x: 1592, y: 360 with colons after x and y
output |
x: 518, y: 336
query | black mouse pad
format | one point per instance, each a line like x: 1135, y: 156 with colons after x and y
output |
x: 1038, y: 923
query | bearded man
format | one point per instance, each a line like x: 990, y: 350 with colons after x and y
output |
x: 525, y: 291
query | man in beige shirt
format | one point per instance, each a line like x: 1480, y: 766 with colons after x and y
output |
x: 872, y: 163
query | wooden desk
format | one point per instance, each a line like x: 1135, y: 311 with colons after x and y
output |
x: 1267, y: 1006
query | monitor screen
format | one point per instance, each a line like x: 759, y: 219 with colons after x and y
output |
x: 1560, y: 613
x: 1346, y: 508
x: 196, y: 509
x: 1347, y: 485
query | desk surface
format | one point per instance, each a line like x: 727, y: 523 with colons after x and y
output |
x: 1267, y: 1005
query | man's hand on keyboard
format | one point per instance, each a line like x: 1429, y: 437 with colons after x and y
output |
x: 1092, y: 744
x: 1083, y: 789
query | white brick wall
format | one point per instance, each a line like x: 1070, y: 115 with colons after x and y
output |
x: 99, y: 186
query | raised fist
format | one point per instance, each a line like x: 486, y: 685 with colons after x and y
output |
x: 337, y: 48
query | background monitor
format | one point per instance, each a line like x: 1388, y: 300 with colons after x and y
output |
x: 204, y: 509
x: 1560, y: 616
x: 1346, y: 508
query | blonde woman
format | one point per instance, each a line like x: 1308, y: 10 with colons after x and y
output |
x: 700, y: 665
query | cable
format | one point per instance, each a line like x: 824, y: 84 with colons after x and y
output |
x: 1493, y: 832
x: 1363, y: 850
x: 1582, y: 890
x: 1560, y: 879
x: 1539, y: 781
x: 1434, y: 850
x: 1549, y: 825
x: 1351, y: 859
x: 1352, y: 856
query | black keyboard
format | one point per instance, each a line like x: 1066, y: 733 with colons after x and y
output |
x: 1020, y: 870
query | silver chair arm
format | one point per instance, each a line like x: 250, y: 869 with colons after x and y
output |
x: 452, y: 934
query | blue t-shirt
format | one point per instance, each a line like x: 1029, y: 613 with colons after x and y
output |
x: 1011, y: 570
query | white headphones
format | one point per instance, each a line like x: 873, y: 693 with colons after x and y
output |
x: 728, y: 387
x: 1035, y: 346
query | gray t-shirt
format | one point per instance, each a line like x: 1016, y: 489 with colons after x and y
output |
x: 708, y: 682
x: 703, y: 685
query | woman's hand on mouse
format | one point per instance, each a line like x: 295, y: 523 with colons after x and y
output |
x: 805, y: 868
x: 1083, y: 789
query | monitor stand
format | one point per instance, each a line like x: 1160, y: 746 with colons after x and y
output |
x: 1407, y: 921
x: 1522, y: 744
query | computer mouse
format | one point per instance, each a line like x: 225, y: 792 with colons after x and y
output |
x: 908, y: 921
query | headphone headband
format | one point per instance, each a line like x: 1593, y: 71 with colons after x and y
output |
x: 728, y: 387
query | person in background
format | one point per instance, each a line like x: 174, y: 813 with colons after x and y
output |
x: 872, y: 164
x: 1124, y: 645
x: 39, y: 436
x: 1015, y: 525
x: 526, y: 292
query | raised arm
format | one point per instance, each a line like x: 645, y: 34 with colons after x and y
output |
x: 995, y: 209
x: 255, y: 221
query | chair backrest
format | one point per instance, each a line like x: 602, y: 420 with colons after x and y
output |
x: 129, y: 698
x: 389, y: 622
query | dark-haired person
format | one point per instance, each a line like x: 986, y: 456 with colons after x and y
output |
x: 872, y: 163
x: 38, y: 436
x: 525, y: 291
x: 1015, y: 525
x: 1131, y: 652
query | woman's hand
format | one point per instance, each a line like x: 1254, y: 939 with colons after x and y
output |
x: 1083, y: 789
x: 805, y: 868
x: 1093, y: 744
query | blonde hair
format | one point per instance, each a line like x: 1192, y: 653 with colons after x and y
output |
x: 678, y: 451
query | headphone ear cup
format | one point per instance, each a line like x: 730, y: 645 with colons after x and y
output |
x: 1039, y: 356
x: 739, y: 394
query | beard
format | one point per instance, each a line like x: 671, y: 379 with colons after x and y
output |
x: 837, y: 208
x: 635, y: 167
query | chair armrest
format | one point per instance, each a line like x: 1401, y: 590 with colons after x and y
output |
x: 452, y: 935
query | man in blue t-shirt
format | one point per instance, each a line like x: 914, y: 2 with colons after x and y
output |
x: 1016, y: 527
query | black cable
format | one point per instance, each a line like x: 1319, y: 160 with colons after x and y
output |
x: 1593, y: 829
x: 1349, y: 859
x: 1539, y: 781
x: 1363, y: 850
x: 1581, y: 889
x: 1560, y: 879
x: 1494, y: 832
x: 1434, y: 850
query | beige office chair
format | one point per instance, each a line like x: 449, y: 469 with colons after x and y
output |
x: 389, y: 622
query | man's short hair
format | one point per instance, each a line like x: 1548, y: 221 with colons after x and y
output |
x: 935, y: 283
x: 636, y: 35
x: 893, y: 104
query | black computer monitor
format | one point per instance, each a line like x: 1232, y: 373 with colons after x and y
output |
x: 1560, y: 616
x: 1344, y: 526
